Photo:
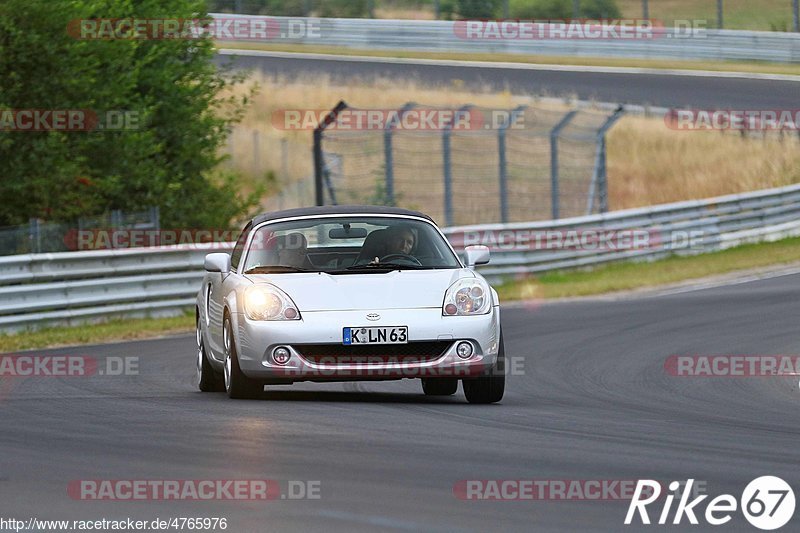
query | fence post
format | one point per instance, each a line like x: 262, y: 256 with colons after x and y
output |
x: 319, y: 163
x: 237, y: 7
x: 645, y: 10
x: 319, y: 197
x: 256, y: 153
x: 503, y: 167
x: 35, y: 236
x: 387, y: 152
x: 554, y: 177
x: 448, y: 178
x: 603, y: 182
x: 796, y: 14
x: 448, y: 171
x: 599, y: 183
x: 156, y: 218
x: 720, y: 10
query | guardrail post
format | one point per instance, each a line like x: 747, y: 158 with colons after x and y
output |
x: 720, y: 9
x: 319, y: 163
x: 645, y: 10
x: 502, y: 162
x: 554, y: 177
x: 387, y: 152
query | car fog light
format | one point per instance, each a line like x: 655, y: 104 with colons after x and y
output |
x: 464, y: 350
x: 281, y: 355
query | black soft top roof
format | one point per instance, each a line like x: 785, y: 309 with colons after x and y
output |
x: 338, y: 210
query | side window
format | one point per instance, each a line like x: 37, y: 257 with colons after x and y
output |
x: 238, y: 249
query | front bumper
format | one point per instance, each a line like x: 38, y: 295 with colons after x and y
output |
x: 256, y: 341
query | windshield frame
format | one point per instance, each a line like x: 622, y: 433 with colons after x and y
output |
x: 254, y: 230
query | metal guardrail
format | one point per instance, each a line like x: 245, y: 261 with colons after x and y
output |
x: 72, y: 287
x: 62, y: 288
x: 449, y: 36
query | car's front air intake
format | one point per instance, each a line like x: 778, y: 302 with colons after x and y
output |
x: 339, y: 354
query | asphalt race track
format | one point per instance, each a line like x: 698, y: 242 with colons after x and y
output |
x: 589, y: 400
x: 667, y: 90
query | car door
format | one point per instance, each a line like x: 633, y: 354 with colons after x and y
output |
x: 215, y: 296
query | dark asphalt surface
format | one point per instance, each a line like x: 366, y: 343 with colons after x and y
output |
x: 589, y: 400
x: 645, y: 89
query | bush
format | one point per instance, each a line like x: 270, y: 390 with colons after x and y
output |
x: 540, y: 9
x: 477, y: 9
x: 600, y: 9
x: 170, y: 161
x: 562, y: 9
x: 342, y: 8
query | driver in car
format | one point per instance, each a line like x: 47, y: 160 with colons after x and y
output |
x: 292, y: 250
x: 400, y: 240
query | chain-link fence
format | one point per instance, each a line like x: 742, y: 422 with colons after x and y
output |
x: 471, y: 165
x: 42, y: 237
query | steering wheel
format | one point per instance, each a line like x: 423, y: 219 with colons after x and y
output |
x: 410, y: 258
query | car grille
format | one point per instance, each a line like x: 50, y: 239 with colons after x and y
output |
x: 333, y: 354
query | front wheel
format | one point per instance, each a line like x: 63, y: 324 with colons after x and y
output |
x: 237, y: 385
x: 488, y: 389
x: 206, y: 377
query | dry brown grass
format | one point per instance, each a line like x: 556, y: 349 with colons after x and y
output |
x: 652, y: 164
x: 648, y: 162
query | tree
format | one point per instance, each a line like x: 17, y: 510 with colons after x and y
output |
x: 171, y: 86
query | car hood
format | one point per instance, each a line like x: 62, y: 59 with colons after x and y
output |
x: 400, y: 289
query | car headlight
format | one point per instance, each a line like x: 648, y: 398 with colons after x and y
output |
x: 468, y: 296
x: 267, y: 302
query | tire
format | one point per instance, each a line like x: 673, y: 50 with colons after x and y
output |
x: 490, y: 388
x: 237, y: 385
x: 439, y: 386
x: 207, y: 379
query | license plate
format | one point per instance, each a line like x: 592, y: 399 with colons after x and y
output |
x: 375, y: 335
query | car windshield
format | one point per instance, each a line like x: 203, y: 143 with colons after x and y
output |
x: 348, y: 245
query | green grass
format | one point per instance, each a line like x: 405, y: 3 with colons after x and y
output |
x: 113, y: 330
x: 766, y: 15
x: 605, y: 279
x: 626, y: 276
x: 713, y: 66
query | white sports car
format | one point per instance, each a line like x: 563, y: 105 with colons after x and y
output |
x: 344, y: 293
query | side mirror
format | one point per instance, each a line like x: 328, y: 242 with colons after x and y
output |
x: 218, y: 263
x: 476, y: 254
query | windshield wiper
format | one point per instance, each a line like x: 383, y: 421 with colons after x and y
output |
x: 276, y: 269
x: 386, y: 266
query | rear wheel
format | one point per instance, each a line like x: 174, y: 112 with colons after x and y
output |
x: 488, y: 389
x: 207, y: 379
x: 237, y: 385
x: 439, y: 386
